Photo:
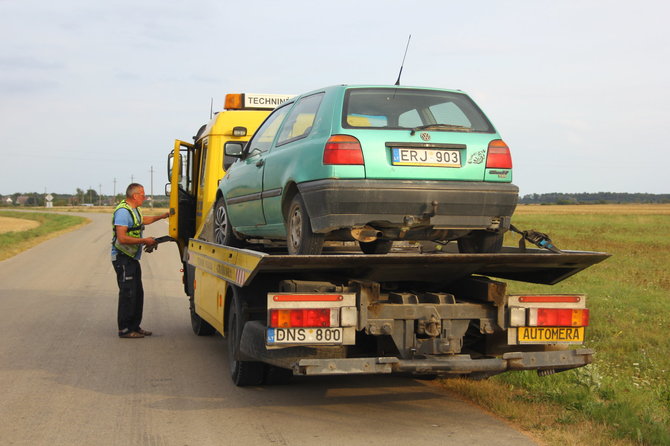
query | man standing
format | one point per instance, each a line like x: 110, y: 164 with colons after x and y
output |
x: 127, y: 243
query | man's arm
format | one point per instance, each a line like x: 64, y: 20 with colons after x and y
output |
x: 123, y: 237
x: 154, y: 218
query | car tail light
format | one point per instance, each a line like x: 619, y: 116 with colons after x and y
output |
x: 320, y: 317
x: 558, y: 317
x: 499, y: 156
x: 342, y: 149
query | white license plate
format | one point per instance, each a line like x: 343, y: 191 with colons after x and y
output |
x: 426, y: 157
x: 330, y: 336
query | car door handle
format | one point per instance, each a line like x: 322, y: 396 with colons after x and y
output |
x: 260, y: 163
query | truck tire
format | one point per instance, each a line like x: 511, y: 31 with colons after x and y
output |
x: 299, y: 235
x: 277, y: 376
x: 243, y: 373
x: 376, y: 247
x: 223, y: 230
x: 480, y: 242
x: 200, y: 326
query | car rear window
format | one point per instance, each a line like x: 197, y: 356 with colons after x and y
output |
x: 400, y: 108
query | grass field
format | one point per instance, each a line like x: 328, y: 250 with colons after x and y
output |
x: 20, y: 235
x: 624, y: 396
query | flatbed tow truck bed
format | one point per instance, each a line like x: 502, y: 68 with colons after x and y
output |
x: 428, y: 313
x: 530, y: 265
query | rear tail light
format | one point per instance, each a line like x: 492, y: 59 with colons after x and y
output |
x: 499, y: 156
x: 320, y: 317
x: 343, y: 149
x: 558, y: 317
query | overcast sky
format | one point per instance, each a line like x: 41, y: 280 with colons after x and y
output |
x: 92, y: 91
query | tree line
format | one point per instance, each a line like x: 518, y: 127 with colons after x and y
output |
x: 594, y: 198
x: 80, y: 198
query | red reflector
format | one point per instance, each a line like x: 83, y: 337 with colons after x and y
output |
x: 343, y: 149
x: 550, y: 299
x: 499, y: 156
x: 319, y: 317
x: 307, y: 297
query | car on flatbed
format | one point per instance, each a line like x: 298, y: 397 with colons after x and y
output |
x: 375, y: 164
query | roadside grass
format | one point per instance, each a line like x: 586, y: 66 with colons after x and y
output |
x: 50, y: 225
x: 624, y: 396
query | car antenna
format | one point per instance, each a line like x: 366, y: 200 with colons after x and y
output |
x: 403, y: 60
x: 211, y: 107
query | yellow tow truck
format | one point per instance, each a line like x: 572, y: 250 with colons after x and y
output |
x: 415, y: 310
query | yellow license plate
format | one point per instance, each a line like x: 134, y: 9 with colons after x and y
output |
x: 551, y: 335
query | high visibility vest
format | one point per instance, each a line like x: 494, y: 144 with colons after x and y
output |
x: 133, y: 231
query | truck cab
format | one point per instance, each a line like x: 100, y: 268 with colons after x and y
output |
x: 195, y: 168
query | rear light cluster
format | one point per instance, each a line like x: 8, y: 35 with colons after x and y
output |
x: 343, y: 149
x: 558, y: 317
x: 499, y: 156
x: 320, y: 317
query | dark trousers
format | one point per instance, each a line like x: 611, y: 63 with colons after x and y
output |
x: 131, y: 293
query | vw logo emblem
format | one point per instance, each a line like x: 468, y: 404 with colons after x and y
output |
x: 425, y: 136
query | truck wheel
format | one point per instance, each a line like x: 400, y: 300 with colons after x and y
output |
x: 277, y: 376
x: 376, y: 247
x: 480, y: 242
x: 243, y: 373
x: 223, y: 230
x: 200, y: 326
x: 300, y: 238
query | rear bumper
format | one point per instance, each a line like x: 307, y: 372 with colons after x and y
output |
x: 331, y: 360
x: 336, y: 204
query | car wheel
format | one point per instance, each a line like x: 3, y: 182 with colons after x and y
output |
x: 480, y: 242
x: 223, y: 230
x: 299, y: 237
x: 243, y: 373
x: 376, y: 247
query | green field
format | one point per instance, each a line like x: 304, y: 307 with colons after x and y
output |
x: 624, y: 396
x: 13, y: 242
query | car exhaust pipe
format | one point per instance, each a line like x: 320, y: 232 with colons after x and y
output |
x: 365, y: 234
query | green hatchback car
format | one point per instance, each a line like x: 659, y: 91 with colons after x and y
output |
x: 374, y: 164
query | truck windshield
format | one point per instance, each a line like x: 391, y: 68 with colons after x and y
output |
x: 400, y: 108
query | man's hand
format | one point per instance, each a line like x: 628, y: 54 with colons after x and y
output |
x: 149, y: 241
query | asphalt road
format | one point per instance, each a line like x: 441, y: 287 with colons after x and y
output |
x: 67, y: 379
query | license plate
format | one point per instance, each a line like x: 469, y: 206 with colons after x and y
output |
x: 330, y: 336
x: 551, y: 335
x: 425, y: 157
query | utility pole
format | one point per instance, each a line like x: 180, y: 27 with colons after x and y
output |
x: 152, y: 187
x: 90, y: 195
x: 114, y: 188
x: 100, y: 195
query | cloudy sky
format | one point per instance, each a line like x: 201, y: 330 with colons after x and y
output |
x: 92, y: 92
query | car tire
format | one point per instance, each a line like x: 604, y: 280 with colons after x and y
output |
x: 223, y: 231
x: 377, y: 247
x: 478, y: 242
x: 299, y: 236
x: 243, y: 373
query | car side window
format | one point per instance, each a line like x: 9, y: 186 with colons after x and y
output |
x: 299, y: 122
x: 263, y: 138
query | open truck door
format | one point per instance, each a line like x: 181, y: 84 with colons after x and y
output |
x: 182, y: 193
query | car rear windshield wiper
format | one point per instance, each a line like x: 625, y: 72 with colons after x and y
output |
x: 458, y: 128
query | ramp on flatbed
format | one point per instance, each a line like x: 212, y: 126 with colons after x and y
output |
x: 240, y: 266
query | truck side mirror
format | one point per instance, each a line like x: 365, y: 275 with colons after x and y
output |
x: 234, y: 148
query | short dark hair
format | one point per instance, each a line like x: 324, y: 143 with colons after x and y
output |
x: 132, y: 189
